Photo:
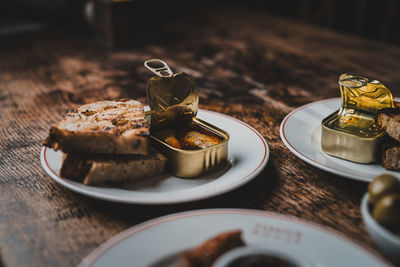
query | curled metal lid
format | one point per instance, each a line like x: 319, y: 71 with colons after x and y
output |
x: 173, y: 98
x: 361, y: 100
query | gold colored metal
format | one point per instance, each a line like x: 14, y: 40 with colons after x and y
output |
x: 173, y: 100
x: 193, y: 163
x: 352, y: 133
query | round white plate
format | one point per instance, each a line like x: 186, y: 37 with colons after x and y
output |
x: 301, y: 133
x: 248, y: 155
x: 158, y: 242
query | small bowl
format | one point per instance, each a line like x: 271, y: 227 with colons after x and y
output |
x: 383, y: 238
x: 229, y: 257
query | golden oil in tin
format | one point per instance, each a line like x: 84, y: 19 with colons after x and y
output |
x: 190, y: 136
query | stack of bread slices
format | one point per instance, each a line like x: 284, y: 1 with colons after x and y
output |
x: 106, y: 141
x: 389, y: 120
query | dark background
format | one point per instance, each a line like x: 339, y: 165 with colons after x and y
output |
x: 378, y: 20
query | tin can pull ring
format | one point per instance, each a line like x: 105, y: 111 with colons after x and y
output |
x: 158, y: 67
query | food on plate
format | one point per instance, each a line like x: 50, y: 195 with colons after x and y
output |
x: 174, y: 100
x: 173, y: 141
x: 107, y: 127
x: 106, y: 141
x: 207, y: 252
x: 389, y: 120
x: 189, y: 137
x: 391, y: 156
x: 96, y: 169
x: 368, y: 118
x: 193, y: 149
x: 196, y: 140
x: 351, y: 132
x: 120, y: 127
x: 168, y: 136
x: 384, y: 198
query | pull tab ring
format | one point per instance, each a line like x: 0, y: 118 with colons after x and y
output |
x: 158, y: 67
x: 361, y: 81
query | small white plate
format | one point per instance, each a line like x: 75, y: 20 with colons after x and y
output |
x: 158, y: 242
x: 301, y: 132
x: 248, y: 155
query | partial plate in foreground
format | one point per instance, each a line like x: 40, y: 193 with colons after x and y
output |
x: 248, y: 155
x: 301, y: 133
x: 158, y: 242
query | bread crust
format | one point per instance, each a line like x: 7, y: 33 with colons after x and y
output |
x: 206, y: 253
x: 391, y: 154
x: 106, y: 127
x: 96, y: 169
x: 389, y: 120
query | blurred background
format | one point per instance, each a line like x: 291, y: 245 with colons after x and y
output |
x: 119, y: 23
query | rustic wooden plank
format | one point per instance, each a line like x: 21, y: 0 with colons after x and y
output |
x: 247, y: 64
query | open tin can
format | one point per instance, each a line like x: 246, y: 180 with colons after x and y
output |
x: 352, y: 132
x: 173, y: 100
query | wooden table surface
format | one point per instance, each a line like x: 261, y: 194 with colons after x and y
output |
x: 247, y: 64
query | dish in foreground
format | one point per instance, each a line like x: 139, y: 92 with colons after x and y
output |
x: 171, y: 235
x: 228, y: 249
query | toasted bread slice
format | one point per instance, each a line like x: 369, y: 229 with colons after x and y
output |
x: 391, y: 158
x: 391, y: 154
x: 95, y: 169
x: 206, y: 253
x: 107, y: 127
x: 389, y: 120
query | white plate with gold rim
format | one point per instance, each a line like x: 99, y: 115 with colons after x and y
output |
x: 158, y: 242
x: 248, y: 153
x: 301, y: 133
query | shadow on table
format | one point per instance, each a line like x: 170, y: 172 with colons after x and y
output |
x: 248, y: 196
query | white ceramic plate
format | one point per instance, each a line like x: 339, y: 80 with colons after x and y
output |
x: 301, y: 133
x: 248, y: 155
x: 158, y: 242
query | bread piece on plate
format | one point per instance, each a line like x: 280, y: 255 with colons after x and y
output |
x: 391, y: 154
x: 389, y: 120
x: 95, y: 169
x: 206, y: 253
x: 391, y: 158
x: 107, y: 127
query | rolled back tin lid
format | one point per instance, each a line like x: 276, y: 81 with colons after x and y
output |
x: 361, y: 100
x: 173, y: 98
x: 363, y: 94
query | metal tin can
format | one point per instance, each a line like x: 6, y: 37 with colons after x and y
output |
x: 173, y: 101
x: 349, y: 146
x: 352, y: 133
x: 194, y: 163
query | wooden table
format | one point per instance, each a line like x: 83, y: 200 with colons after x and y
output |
x: 247, y: 64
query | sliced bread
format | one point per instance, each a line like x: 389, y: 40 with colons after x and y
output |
x: 95, y: 169
x: 389, y: 120
x: 107, y: 127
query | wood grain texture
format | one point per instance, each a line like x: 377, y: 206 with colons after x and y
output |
x: 247, y: 64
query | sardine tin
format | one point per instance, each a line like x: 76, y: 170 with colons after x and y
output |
x: 175, y: 99
x: 351, y: 132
